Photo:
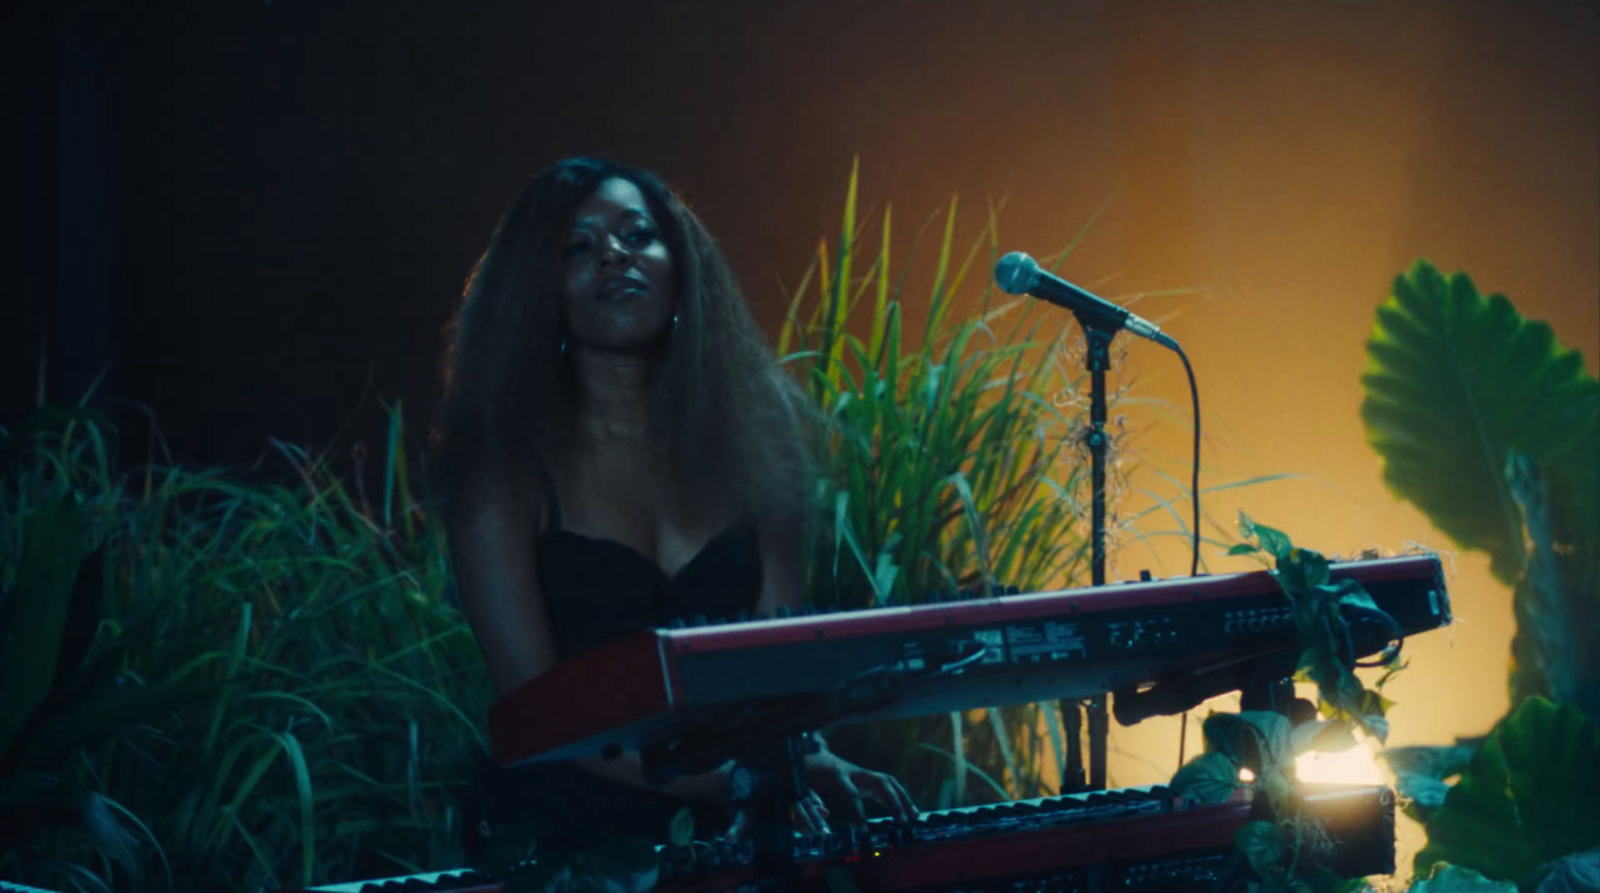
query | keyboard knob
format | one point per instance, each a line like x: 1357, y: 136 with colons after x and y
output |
x: 784, y: 612
x: 699, y: 620
x: 676, y: 623
x: 742, y: 617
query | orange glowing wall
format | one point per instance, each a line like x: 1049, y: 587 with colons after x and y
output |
x: 1286, y: 159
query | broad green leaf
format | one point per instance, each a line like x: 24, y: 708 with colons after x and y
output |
x: 1454, y: 382
x: 51, y: 543
x: 1557, y: 601
x: 1322, y: 735
x: 1422, y: 773
x: 1572, y: 873
x: 1455, y: 879
x: 1208, y: 778
x: 1262, y: 845
x: 1255, y: 739
x: 1274, y: 542
x: 83, y: 618
x: 1531, y: 793
x: 1302, y: 569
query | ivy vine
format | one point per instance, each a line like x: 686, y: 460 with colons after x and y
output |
x: 1282, y: 850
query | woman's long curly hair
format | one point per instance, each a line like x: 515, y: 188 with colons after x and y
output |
x: 736, y: 427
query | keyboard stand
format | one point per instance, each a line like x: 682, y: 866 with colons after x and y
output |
x: 768, y: 784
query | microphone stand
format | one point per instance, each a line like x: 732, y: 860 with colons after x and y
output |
x: 1097, y: 360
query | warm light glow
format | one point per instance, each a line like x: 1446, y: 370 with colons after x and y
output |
x: 1246, y: 776
x: 1353, y: 766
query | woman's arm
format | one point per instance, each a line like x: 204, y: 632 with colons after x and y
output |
x: 491, y: 536
x: 783, y: 567
x: 491, y: 532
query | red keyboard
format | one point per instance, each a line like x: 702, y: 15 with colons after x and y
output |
x: 1132, y: 839
x: 659, y: 685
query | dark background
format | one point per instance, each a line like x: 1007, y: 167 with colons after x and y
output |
x: 261, y: 214
x: 257, y: 217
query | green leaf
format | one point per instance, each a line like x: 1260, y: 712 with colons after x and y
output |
x: 1557, y: 600
x: 1572, y: 873
x: 1528, y: 795
x: 1255, y: 739
x: 1453, y: 383
x: 1422, y: 795
x: 1422, y: 773
x: 1273, y: 541
x: 51, y: 540
x: 1301, y: 569
x: 1243, y: 549
x: 1322, y: 736
x: 1439, y: 762
x: 1208, y: 778
x: 1262, y: 845
x: 83, y: 617
x: 1455, y: 879
x: 681, y: 831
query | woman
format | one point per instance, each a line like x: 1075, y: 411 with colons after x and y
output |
x: 619, y: 447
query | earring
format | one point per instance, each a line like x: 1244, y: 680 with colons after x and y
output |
x: 563, y: 343
x: 674, y: 328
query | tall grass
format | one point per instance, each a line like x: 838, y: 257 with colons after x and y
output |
x: 351, y: 691
x: 352, y: 695
x: 951, y: 465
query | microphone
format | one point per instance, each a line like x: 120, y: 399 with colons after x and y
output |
x: 1019, y: 274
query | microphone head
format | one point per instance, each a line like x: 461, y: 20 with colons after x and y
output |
x: 1016, y: 272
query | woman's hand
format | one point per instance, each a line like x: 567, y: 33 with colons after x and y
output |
x: 848, y: 787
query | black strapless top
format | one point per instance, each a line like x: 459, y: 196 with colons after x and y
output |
x: 597, y: 589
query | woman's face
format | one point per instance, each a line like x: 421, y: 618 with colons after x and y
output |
x: 618, y: 271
